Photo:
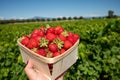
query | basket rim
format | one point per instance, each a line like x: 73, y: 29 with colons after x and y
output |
x: 46, y: 59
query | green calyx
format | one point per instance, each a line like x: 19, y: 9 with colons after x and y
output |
x: 47, y: 27
x: 49, y: 54
x: 44, y: 42
x: 59, y: 43
x: 65, y: 33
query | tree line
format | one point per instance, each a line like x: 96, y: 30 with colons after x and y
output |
x: 39, y: 19
x: 110, y: 15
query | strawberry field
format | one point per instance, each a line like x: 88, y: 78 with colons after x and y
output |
x: 98, y: 50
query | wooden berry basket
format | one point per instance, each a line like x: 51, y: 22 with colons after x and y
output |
x: 60, y: 63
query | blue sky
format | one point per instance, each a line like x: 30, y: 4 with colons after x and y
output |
x: 57, y: 8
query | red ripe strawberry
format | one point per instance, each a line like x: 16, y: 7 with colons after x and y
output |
x: 51, y: 36
x: 53, y: 47
x: 62, y: 50
x: 70, y: 34
x: 51, y: 30
x: 41, y: 33
x: 25, y: 40
x: 37, y: 38
x: 59, y: 43
x: 37, y: 32
x: 56, y: 54
x: 58, y: 30
x: 32, y: 44
x: 33, y: 35
x: 41, y: 52
x: 67, y: 44
x: 62, y: 37
x: 75, y: 37
x: 71, y: 39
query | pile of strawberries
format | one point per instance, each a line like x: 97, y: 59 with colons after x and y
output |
x: 49, y: 41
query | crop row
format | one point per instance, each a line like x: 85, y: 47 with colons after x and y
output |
x: 99, y: 49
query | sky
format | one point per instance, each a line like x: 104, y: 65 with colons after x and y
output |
x: 23, y: 9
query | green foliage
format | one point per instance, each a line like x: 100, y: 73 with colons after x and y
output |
x: 98, y: 51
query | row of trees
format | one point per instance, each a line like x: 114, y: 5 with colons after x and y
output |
x: 39, y: 19
x: 110, y: 15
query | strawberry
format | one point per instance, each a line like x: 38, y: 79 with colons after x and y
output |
x: 59, y: 43
x: 33, y: 35
x: 45, y: 28
x: 41, y: 33
x: 51, y: 36
x: 67, y: 44
x: 32, y: 44
x: 63, y: 35
x: 53, y: 48
x: 62, y: 50
x: 37, y: 32
x: 51, y: 30
x: 75, y: 37
x: 71, y: 39
x: 25, y: 40
x: 41, y: 52
x: 58, y: 30
x: 37, y: 38
x: 70, y: 34
x: 56, y: 54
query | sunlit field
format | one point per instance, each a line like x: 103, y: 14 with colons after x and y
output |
x: 98, y: 50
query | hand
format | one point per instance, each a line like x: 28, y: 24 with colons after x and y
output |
x: 33, y: 75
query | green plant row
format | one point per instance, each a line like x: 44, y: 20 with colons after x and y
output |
x: 98, y: 50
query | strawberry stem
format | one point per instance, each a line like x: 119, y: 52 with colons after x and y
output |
x: 44, y: 42
x: 59, y: 43
x: 65, y: 33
